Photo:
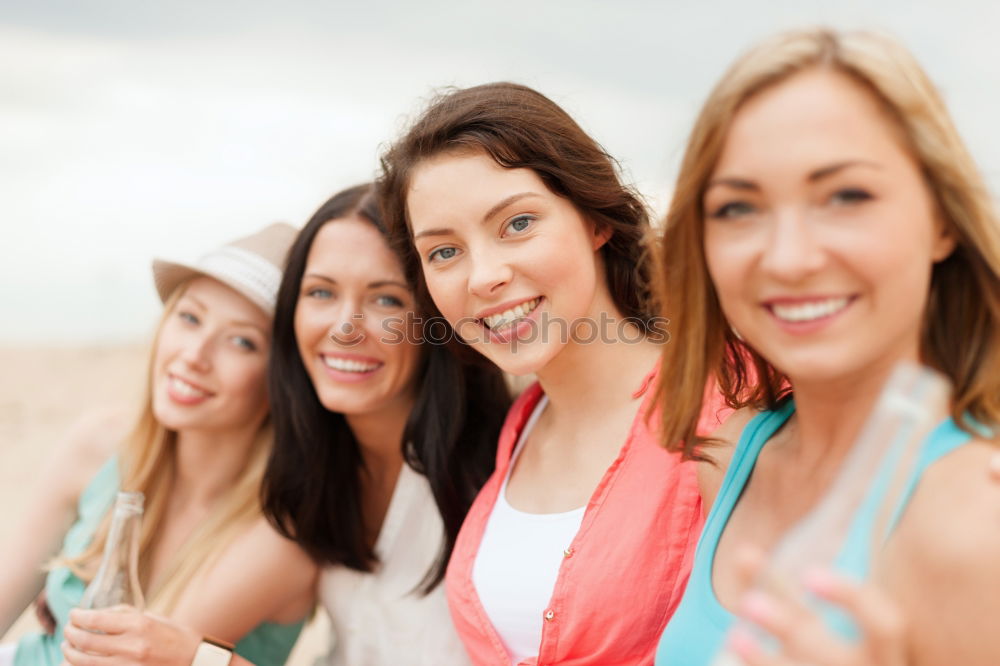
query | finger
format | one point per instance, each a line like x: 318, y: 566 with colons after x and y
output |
x: 117, y: 620
x: 77, y: 657
x: 878, y: 617
x: 749, y: 564
x: 85, y: 641
x: 995, y: 467
x: 801, y: 634
x: 751, y: 653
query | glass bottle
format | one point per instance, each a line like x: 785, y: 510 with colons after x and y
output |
x: 862, y: 500
x: 117, y: 579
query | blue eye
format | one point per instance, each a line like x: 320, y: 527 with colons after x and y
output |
x: 389, y: 301
x: 442, y: 254
x: 519, y: 223
x: 850, y: 195
x: 319, y: 292
x: 245, y: 343
x: 733, y: 209
x: 187, y: 317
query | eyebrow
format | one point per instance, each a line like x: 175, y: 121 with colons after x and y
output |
x: 503, y: 203
x: 814, y: 176
x: 371, y: 285
x: 232, y: 322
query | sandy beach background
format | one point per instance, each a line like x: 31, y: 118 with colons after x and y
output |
x: 42, y: 392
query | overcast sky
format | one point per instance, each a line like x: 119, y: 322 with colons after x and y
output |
x: 131, y: 129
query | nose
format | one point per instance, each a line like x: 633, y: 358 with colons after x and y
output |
x: 793, y: 250
x: 489, y: 273
x: 197, y: 353
x: 347, y: 328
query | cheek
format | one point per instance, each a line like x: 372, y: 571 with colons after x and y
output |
x: 248, y: 381
x: 448, y: 292
x: 726, y: 261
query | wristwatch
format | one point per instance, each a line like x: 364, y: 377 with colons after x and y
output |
x: 213, y: 652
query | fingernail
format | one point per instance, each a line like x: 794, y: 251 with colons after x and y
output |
x: 758, y: 607
x: 742, y: 642
x: 819, y: 581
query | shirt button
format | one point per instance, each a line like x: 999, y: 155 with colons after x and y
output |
x: 568, y: 552
x: 549, y: 615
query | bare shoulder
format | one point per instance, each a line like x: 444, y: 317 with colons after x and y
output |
x: 944, y: 554
x: 725, y: 437
x: 87, y: 445
x: 283, y: 590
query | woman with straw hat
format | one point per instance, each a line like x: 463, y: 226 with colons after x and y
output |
x: 197, y: 451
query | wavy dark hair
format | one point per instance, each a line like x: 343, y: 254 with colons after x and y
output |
x: 521, y: 128
x: 311, y: 490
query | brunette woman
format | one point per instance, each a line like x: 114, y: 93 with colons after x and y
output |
x: 382, y: 440
x: 517, y: 229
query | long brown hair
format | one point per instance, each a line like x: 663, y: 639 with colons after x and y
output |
x: 312, y: 486
x: 521, y: 128
x: 960, y: 337
x: 147, y: 464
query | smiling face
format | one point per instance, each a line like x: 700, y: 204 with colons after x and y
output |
x: 211, y: 360
x: 820, y: 232
x: 350, y: 319
x: 513, y: 267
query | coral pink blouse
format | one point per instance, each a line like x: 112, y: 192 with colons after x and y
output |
x: 626, y: 569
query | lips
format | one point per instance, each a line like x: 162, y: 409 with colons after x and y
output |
x: 506, y: 318
x: 354, y: 364
x: 186, y: 392
x: 808, y: 310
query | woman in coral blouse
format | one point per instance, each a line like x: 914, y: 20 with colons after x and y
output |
x: 519, y: 232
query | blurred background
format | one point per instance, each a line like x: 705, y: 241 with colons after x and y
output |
x: 131, y: 129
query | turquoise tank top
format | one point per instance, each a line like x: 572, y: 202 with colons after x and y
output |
x: 698, y: 627
x: 267, y: 645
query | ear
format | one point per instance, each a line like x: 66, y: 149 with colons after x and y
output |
x: 944, y: 240
x: 600, y: 236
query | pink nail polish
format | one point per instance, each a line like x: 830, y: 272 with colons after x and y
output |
x: 758, y: 607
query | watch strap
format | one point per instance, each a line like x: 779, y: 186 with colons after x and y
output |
x: 213, y: 652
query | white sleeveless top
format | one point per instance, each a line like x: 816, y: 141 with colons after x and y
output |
x: 380, y: 618
x: 518, y: 562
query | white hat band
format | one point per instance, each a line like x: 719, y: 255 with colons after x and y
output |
x: 259, y: 277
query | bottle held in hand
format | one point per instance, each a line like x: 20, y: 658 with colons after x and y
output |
x: 861, y: 500
x: 117, y: 579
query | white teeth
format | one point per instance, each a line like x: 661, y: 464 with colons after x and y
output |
x: 346, y: 365
x: 809, y: 311
x: 182, y: 388
x: 507, y: 317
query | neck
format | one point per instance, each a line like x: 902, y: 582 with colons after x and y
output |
x: 587, y: 378
x: 831, y: 414
x: 208, y: 462
x: 380, y: 435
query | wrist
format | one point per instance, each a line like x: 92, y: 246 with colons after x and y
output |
x: 212, y: 652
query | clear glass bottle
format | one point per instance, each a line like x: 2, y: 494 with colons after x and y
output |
x: 861, y: 500
x: 117, y: 579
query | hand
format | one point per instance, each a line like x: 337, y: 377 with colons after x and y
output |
x: 123, y: 636
x: 805, y: 639
x: 44, y: 614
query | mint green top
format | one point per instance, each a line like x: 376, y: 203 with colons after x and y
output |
x: 267, y: 645
x: 700, y: 623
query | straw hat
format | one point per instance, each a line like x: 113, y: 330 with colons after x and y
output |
x: 251, y: 265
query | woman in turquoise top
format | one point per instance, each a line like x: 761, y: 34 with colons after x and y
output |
x: 197, y: 452
x: 827, y: 224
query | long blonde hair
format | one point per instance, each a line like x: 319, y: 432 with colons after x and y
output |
x: 147, y: 463
x: 961, y: 331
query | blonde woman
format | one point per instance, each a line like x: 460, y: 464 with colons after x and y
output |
x: 197, y: 451
x: 828, y: 211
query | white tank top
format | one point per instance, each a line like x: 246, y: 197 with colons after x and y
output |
x: 379, y: 618
x: 518, y: 562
